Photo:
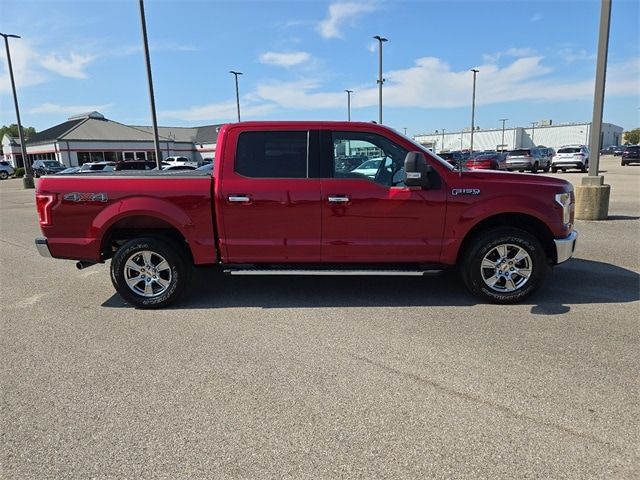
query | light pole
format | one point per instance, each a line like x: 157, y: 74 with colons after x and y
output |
x: 473, y: 108
x: 442, y: 140
x: 235, y: 74
x: 502, y: 142
x: 152, y: 100
x: 381, y: 40
x: 27, y: 180
x: 533, y: 132
x: 349, y: 92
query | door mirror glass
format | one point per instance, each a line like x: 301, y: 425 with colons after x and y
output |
x: 416, y: 170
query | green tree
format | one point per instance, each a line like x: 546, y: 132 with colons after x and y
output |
x: 12, y: 131
x: 632, y: 136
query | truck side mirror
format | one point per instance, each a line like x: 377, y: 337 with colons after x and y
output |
x: 416, y: 170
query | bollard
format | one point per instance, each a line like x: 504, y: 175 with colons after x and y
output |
x: 592, y: 199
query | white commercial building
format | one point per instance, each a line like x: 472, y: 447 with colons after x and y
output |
x: 91, y: 137
x: 543, y: 134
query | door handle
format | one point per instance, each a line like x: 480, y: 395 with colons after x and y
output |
x: 239, y: 198
x: 338, y: 199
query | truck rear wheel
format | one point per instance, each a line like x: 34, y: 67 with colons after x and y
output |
x: 503, y: 265
x: 149, y: 272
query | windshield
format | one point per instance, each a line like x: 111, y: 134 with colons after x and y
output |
x: 569, y: 150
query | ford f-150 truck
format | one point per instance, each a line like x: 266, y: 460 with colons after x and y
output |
x: 283, y: 199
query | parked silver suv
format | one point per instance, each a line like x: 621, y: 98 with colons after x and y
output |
x: 533, y: 159
x: 6, y: 170
x: 571, y: 156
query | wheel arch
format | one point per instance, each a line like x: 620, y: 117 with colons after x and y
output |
x: 522, y: 221
x: 141, y: 225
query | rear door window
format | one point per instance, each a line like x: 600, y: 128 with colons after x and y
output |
x: 273, y: 154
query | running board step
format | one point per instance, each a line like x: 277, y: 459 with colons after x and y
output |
x: 403, y: 273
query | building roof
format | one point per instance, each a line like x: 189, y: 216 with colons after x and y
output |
x: 94, y: 126
x: 54, y: 133
x: 207, y: 134
x: 177, y: 134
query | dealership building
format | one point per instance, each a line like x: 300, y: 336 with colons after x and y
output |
x: 543, y: 133
x: 91, y: 137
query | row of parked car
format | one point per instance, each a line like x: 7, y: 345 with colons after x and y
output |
x: 52, y: 167
x: 524, y: 159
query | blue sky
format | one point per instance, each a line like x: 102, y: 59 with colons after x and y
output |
x: 536, y: 61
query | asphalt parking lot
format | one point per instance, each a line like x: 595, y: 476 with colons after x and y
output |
x: 349, y: 377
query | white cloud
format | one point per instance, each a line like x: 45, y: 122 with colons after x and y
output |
x: 299, y: 95
x: 24, y: 60
x: 283, y: 59
x: 72, y: 67
x: 339, y: 13
x: 55, y: 109
x: 429, y: 83
x: 510, y: 52
x: 571, y: 55
x: 217, y: 112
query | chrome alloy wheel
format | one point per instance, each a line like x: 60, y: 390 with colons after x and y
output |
x: 147, y: 273
x: 506, y: 268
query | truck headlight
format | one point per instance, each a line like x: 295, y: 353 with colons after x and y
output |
x: 565, y: 200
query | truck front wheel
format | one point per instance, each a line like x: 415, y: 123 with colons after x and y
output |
x: 149, y: 272
x: 503, y: 265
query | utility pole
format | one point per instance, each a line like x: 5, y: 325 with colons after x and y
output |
x: 349, y: 92
x: 381, y: 40
x: 152, y: 100
x: 503, y: 120
x: 473, y: 108
x: 235, y: 74
x: 592, y: 196
x: 442, y: 140
x: 27, y: 180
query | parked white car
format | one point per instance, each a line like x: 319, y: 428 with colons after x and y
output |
x: 571, y: 156
x: 180, y: 161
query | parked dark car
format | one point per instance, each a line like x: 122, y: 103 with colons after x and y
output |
x: 487, y: 161
x: 454, y: 158
x: 631, y: 154
x: 617, y: 152
x: 135, y: 165
x: 46, y: 167
x: 609, y: 150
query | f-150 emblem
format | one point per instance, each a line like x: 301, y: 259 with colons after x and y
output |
x: 465, y: 191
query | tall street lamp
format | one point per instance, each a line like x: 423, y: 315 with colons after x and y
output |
x: 235, y: 74
x: 349, y: 92
x: 152, y: 100
x: 502, y: 142
x: 442, y: 148
x: 473, y: 107
x: 381, y: 40
x: 27, y: 180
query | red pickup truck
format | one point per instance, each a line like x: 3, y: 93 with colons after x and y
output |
x: 289, y: 198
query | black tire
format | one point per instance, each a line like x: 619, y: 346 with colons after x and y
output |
x: 554, y: 169
x: 4, y: 175
x: 511, y: 285
x: 162, y: 286
x: 584, y: 167
x: 546, y: 169
x: 534, y: 169
x: 623, y: 163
